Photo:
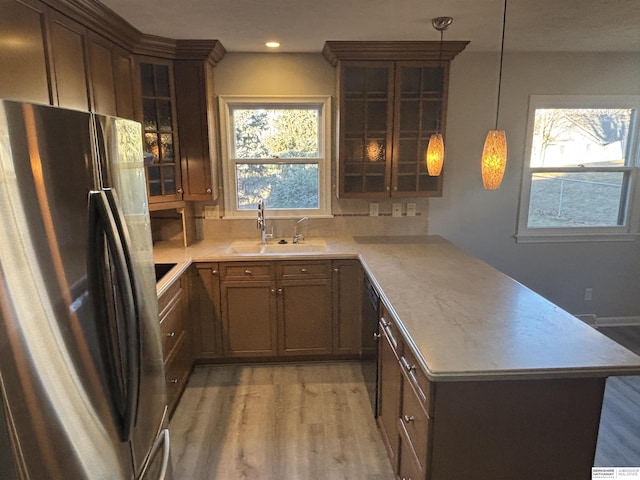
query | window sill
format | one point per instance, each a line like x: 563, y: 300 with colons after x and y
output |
x: 575, y: 237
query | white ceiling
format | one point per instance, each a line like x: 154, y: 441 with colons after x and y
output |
x: 304, y: 25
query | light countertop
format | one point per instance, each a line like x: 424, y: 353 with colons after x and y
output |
x: 466, y: 320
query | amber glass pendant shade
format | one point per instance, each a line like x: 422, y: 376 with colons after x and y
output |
x: 494, y: 159
x: 435, y: 155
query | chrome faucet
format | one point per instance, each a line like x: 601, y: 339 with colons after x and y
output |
x: 298, y: 236
x: 262, y: 224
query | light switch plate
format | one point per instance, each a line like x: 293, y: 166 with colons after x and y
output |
x: 396, y: 210
x: 373, y: 209
x: 411, y: 209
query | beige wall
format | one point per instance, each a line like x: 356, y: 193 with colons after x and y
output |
x: 482, y: 222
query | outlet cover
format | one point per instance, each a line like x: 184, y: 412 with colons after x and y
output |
x: 373, y: 209
x: 210, y: 212
x: 396, y: 210
x: 411, y: 209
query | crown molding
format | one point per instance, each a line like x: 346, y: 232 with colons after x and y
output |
x: 211, y: 51
x: 99, y: 19
x: 336, y: 51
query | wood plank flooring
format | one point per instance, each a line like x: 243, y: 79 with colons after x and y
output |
x: 619, y: 435
x: 314, y: 421
x: 294, y: 421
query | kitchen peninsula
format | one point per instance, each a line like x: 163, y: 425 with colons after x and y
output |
x: 491, y: 377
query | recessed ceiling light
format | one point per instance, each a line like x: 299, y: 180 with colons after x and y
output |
x: 273, y: 44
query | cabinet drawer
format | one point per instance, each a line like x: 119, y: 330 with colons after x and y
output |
x: 419, y: 382
x: 409, y: 468
x: 177, y: 371
x: 414, y: 424
x: 168, y: 296
x: 302, y: 270
x: 171, y: 325
x: 389, y: 327
x: 247, y: 271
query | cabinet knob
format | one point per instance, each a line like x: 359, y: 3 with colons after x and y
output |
x: 409, y: 418
x: 388, y: 189
x: 214, y: 272
x: 180, y: 190
x: 273, y: 290
x: 247, y: 272
x: 336, y: 270
x: 209, y: 190
x: 174, y: 380
x: 280, y: 290
x: 171, y: 335
x: 303, y: 270
x: 395, y: 189
x: 376, y: 336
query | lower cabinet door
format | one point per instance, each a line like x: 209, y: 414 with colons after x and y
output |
x: 305, y: 317
x: 249, y: 319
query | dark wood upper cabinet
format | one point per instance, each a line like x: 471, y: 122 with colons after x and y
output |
x: 69, y: 63
x: 197, y: 118
x: 391, y: 97
x: 101, y: 70
x: 23, y: 52
x: 160, y: 131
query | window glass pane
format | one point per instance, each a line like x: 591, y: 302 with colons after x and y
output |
x: 568, y: 137
x: 275, y: 133
x: 281, y: 185
x: 578, y: 199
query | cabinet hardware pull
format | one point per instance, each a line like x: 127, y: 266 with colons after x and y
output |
x: 214, y: 272
x: 376, y: 336
x: 303, y: 270
x: 180, y: 190
x: 336, y: 270
x: 405, y: 364
x: 171, y: 335
x: 174, y: 380
x: 409, y: 418
x: 209, y: 190
x: 280, y: 290
x: 388, y: 189
x: 385, y: 323
x: 247, y: 272
x: 273, y: 290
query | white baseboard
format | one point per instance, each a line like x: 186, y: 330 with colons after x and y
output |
x: 596, y: 322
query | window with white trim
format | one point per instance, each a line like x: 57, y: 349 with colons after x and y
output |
x: 580, y: 172
x: 276, y: 149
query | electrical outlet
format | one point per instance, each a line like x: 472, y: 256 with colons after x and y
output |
x: 588, y: 294
x: 373, y: 209
x: 411, y: 209
x: 396, y: 210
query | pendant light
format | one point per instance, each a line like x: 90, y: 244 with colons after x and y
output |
x: 434, y: 156
x: 494, y: 154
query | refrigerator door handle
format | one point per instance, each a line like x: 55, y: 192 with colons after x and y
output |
x: 162, y: 442
x: 120, y: 339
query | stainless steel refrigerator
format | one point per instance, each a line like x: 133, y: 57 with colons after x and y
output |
x: 83, y: 394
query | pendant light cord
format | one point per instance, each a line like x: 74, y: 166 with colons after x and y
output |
x: 441, y: 73
x: 504, y: 22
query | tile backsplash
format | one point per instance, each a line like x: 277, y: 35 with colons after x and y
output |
x: 351, y: 217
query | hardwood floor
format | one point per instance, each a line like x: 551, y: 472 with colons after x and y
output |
x: 294, y: 421
x: 619, y: 435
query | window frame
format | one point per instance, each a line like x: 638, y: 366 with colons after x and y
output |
x: 626, y: 232
x: 226, y: 104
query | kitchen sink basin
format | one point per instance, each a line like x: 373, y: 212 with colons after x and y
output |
x: 162, y: 269
x: 250, y: 247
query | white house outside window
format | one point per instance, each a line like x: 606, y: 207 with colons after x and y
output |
x: 580, y: 169
x: 275, y: 149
